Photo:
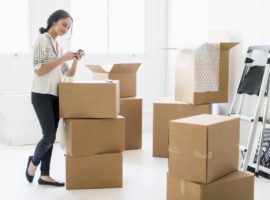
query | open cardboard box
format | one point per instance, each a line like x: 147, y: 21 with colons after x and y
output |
x: 124, y: 72
x: 185, y: 79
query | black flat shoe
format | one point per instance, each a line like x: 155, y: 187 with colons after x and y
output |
x: 28, y: 176
x: 53, y: 183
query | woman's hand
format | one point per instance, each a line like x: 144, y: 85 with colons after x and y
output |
x: 77, y: 56
x: 68, y: 56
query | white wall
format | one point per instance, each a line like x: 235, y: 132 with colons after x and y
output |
x: 189, y: 21
x: 16, y: 72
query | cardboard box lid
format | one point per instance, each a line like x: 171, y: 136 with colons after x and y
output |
x: 116, y: 68
x: 90, y: 82
x: 205, y: 119
x: 96, y: 68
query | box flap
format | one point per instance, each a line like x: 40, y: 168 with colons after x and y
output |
x: 206, y: 119
x: 96, y: 68
x: 125, y: 68
x: 227, y: 45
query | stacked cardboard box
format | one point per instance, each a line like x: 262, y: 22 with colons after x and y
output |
x: 131, y: 109
x: 203, y: 160
x: 94, y: 134
x: 189, y: 102
x: 130, y: 105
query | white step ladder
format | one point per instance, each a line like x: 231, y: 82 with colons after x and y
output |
x: 254, y: 81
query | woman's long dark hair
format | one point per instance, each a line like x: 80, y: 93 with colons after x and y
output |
x: 54, y: 17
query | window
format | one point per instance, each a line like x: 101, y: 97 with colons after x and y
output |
x: 109, y: 26
x: 14, y: 34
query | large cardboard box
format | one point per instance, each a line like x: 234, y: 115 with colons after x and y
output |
x: 235, y: 186
x: 165, y: 110
x: 203, y: 148
x: 89, y: 99
x: 125, y: 73
x: 94, y: 136
x: 96, y: 171
x: 185, y: 73
x: 131, y: 109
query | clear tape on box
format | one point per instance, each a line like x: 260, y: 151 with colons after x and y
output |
x: 68, y: 79
x: 182, y: 150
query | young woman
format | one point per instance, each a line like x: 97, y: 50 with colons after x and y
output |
x: 49, y: 67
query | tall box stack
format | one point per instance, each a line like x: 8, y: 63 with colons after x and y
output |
x: 94, y: 134
x: 201, y: 79
x: 206, y: 70
x: 130, y: 105
x: 167, y: 109
x: 203, y: 160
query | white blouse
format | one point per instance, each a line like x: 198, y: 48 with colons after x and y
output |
x: 47, y: 49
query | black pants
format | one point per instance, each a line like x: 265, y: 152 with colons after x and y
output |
x: 47, y: 109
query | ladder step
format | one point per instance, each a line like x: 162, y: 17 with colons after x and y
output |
x: 250, y: 119
x: 242, y: 117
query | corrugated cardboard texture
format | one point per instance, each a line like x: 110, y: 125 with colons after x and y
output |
x: 94, y: 136
x: 163, y: 112
x: 125, y: 73
x: 203, y: 148
x: 184, y: 92
x: 235, y: 186
x: 131, y: 109
x: 96, y: 99
x: 97, y: 171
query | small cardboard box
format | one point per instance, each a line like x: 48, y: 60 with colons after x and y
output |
x: 89, y: 99
x: 94, y: 136
x: 203, y: 148
x: 131, y: 109
x: 185, y: 73
x: 165, y: 110
x: 235, y: 186
x: 96, y: 171
x: 125, y: 73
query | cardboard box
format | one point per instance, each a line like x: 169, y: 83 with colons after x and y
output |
x: 92, y: 99
x: 131, y: 109
x: 164, y: 111
x: 125, y: 73
x: 203, y: 148
x: 235, y: 186
x: 94, y: 136
x: 185, y: 74
x: 96, y: 171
